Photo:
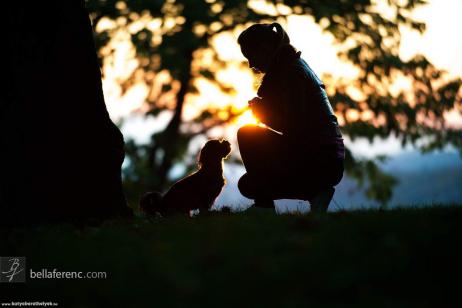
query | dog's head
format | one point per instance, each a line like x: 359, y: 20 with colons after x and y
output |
x: 214, y: 151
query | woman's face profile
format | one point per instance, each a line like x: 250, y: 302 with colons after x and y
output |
x: 257, y: 58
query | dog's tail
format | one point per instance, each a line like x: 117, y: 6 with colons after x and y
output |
x: 151, y: 203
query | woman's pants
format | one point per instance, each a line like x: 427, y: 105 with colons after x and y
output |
x: 277, y: 169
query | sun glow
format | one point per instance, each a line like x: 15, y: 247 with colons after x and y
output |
x: 246, y: 118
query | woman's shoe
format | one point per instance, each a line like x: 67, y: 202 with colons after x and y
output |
x: 320, y: 202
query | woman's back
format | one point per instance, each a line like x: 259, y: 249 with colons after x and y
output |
x: 301, y: 108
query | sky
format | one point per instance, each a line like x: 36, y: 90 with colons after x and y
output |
x: 441, y: 41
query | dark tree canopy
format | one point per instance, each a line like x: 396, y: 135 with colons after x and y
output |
x: 367, y: 38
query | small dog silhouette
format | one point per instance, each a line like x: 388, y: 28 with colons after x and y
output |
x: 196, y: 191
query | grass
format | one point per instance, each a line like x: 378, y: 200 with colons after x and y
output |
x: 367, y: 258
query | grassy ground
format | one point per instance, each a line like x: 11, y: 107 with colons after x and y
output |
x: 396, y: 258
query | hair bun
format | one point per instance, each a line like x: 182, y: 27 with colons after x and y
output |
x: 282, y: 35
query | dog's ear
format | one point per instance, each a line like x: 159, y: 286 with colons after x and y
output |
x: 200, y: 157
x: 204, y: 154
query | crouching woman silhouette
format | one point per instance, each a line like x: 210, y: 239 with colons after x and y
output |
x: 300, y: 152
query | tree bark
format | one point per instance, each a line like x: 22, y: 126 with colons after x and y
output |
x: 63, y: 152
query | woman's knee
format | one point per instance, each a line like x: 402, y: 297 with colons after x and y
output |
x: 245, y: 187
x: 247, y: 133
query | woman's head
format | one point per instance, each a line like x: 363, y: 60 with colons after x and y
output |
x: 261, y: 42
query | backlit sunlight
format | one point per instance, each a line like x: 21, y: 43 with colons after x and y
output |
x: 121, y: 63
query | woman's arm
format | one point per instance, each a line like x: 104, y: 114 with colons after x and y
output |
x: 267, y: 112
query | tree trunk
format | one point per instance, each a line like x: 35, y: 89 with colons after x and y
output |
x: 63, y: 152
x: 172, y: 132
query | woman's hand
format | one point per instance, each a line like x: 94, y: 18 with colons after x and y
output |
x: 254, y: 101
x: 256, y: 105
x: 265, y: 114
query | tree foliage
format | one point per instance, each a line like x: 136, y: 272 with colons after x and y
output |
x: 367, y: 38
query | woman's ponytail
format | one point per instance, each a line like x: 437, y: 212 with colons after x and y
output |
x: 282, y: 42
x: 283, y: 38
